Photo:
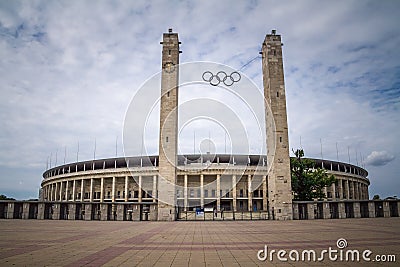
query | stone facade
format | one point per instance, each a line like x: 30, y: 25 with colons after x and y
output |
x: 168, y: 140
x: 279, y: 178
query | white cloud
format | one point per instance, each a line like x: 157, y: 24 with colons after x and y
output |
x: 69, y: 69
x: 379, y: 158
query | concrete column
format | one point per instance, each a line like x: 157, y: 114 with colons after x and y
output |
x: 371, y: 209
x: 249, y: 194
x: 202, y: 190
x: 71, y: 211
x: 333, y: 190
x: 113, y: 190
x: 74, y: 190
x: 352, y: 190
x: 340, y: 189
x: 356, y: 191
x: 88, y: 212
x: 45, y: 192
x: 102, y: 189
x: 154, y: 188
x: 398, y: 207
x: 66, y: 191
x: 126, y: 188
x: 185, y: 192
x: 120, y: 212
x: 140, y: 189
x: 359, y: 191
x: 56, y: 212
x: 91, y: 190
x: 56, y: 195
x: 10, y: 211
x: 326, y: 210
x: 310, y: 211
x: 295, y: 210
x: 40, y: 215
x: 364, y: 187
x: 326, y: 193
x: 61, y: 190
x: 57, y: 192
x: 82, y: 185
x: 364, y: 192
x: 52, y: 192
x: 218, y: 192
x: 386, y: 209
x: 103, y: 208
x: 342, y: 210
x: 265, y: 192
x: 347, y: 189
x: 25, y: 211
x: 356, y: 210
x: 234, y: 192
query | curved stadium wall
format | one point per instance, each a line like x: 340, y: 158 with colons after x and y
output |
x: 231, y: 183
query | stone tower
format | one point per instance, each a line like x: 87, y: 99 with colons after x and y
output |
x: 279, y: 178
x: 168, y: 127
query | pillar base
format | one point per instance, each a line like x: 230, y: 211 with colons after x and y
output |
x: 166, y: 212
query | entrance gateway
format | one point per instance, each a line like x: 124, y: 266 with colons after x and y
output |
x: 278, y: 190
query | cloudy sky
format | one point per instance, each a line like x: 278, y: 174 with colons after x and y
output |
x: 69, y: 70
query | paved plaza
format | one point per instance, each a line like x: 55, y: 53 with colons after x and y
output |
x: 222, y: 243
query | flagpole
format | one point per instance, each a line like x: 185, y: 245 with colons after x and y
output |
x: 320, y: 141
x: 337, y: 152
x: 77, y: 153
x: 356, y: 157
x: 225, y: 142
x: 348, y: 152
x: 94, y: 151
x: 116, y: 146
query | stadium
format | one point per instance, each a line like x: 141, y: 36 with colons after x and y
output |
x: 205, y: 186
x: 222, y: 184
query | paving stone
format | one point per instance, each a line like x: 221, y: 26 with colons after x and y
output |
x: 96, y: 243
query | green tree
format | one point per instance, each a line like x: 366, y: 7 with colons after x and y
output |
x: 308, y: 182
x: 376, y: 197
x: 4, y: 197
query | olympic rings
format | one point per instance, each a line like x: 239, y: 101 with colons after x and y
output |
x: 221, y: 76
